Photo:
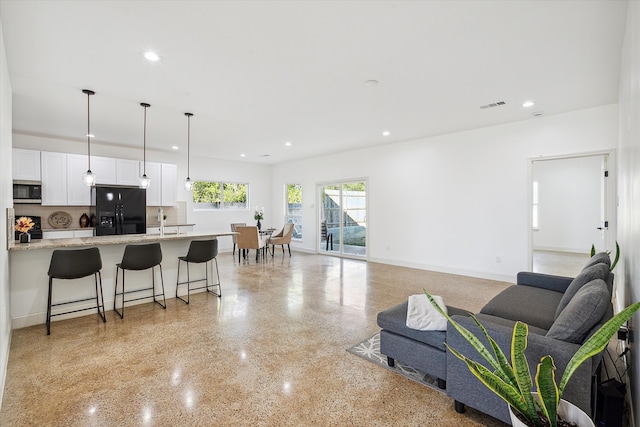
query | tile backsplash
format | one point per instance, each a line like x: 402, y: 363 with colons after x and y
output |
x: 175, y: 214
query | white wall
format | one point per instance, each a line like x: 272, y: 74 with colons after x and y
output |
x: 6, y: 201
x: 569, y: 205
x: 628, y: 272
x: 259, y: 179
x: 455, y: 202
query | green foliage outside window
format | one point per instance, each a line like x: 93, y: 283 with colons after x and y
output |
x: 294, y: 193
x: 218, y: 195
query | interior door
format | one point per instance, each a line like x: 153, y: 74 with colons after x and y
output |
x: 569, y: 211
x: 342, y: 216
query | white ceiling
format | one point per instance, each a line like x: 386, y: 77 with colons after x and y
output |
x: 259, y: 73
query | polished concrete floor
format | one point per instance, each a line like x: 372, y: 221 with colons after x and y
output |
x: 270, y: 352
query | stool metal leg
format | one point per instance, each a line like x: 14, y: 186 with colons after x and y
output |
x: 49, y: 307
x: 164, y: 300
x: 100, y: 303
x: 115, y: 296
x: 186, y: 301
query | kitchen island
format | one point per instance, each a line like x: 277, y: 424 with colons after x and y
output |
x: 29, y: 264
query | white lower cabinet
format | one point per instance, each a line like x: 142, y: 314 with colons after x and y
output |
x: 66, y: 234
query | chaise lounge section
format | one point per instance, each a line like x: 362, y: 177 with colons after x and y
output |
x: 561, y: 312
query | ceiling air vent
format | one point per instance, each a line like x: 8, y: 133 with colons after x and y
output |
x: 493, y: 104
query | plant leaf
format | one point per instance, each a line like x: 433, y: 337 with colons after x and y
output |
x: 493, y: 382
x: 467, y: 335
x: 615, y: 261
x: 505, y: 369
x: 521, y: 366
x: 593, y: 250
x: 597, y: 342
x: 547, y: 389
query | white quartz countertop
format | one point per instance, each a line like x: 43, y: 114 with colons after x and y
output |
x: 77, y: 242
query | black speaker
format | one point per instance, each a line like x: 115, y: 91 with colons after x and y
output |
x: 610, y: 403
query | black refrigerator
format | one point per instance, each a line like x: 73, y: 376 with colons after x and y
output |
x: 119, y: 210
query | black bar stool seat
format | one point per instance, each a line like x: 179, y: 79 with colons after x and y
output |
x: 140, y: 257
x: 75, y: 264
x: 200, y: 251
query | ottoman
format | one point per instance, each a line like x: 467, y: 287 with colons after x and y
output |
x: 422, y: 350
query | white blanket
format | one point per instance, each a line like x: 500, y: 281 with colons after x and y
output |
x: 423, y: 316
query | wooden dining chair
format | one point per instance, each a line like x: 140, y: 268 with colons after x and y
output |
x: 235, y: 237
x: 282, y: 238
x: 249, y: 238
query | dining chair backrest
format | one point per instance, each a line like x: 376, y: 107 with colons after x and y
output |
x: 284, y: 236
x: 248, y: 237
x: 233, y: 228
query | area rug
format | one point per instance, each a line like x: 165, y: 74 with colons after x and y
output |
x: 369, y: 349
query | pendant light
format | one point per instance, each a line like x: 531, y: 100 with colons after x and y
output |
x: 89, y: 178
x: 188, y: 184
x: 144, y: 180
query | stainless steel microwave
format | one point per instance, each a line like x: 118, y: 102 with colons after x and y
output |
x: 27, y: 192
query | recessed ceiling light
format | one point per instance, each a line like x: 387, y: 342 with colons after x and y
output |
x: 151, y: 56
x: 528, y: 104
x: 174, y: 147
x: 386, y: 133
x: 288, y: 144
x: 243, y: 155
x: 371, y: 82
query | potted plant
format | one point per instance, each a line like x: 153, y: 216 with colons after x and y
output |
x: 23, y: 225
x: 512, y: 381
x: 258, y: 214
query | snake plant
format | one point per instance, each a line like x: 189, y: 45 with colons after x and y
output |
x: 512, y: 381
x: 615, y: 260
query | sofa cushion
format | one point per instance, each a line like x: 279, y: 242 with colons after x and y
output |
x: 531, y: 305
x: 584, y: 311
x: 600, y: 257
x: 597, y: 271
x: 487, y: 319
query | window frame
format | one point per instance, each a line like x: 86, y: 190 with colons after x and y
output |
x: 222, y: 204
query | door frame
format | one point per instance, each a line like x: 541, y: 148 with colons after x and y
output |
x: 610, y: 195
x: 340, y: 253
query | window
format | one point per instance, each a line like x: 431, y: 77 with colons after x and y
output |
x: 219, y: 195
x: 294, y: 208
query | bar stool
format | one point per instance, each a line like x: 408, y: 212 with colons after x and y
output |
x: 140, y: 257
x: 200, y: 251
x: 75, y: 264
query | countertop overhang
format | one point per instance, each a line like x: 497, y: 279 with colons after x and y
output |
x: 77, y: 242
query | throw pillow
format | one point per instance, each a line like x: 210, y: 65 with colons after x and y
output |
x: 583, y: 312
x: 600, y: 257
x: 598, y: 271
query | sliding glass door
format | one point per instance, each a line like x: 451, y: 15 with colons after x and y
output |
x: 343, y: 218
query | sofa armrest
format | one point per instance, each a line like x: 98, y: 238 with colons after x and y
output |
x: 465, y: 388
x: 544, y: 281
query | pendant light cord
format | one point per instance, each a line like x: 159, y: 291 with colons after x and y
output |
x: 89, y: 128
x: 89, y: 93
x: 144, y: 140
x: 188, y: 144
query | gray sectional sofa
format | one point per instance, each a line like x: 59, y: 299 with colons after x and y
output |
x: 561, y: 312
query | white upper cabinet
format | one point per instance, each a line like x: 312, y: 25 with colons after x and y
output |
x: 78, y: 194
x: 26, y: 165
x: 54, y: 178
x: 105, y: 170
x: 154, y: 192
x: 127, y: 172
x: 163, y: 189
x: 169, y: 184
